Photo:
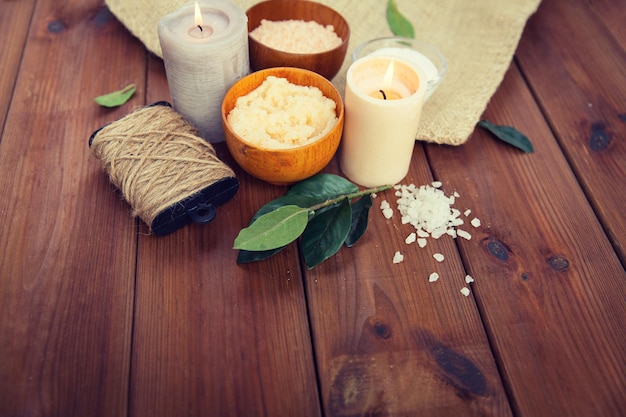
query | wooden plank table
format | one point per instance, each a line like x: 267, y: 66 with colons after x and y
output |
x: 97, y: 318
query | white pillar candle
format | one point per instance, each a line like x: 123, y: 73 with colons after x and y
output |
x: 203, y: 60
x: 379, y: 134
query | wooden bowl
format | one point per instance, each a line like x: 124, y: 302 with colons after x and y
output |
x: 283, y: 166
x: 326, y: 63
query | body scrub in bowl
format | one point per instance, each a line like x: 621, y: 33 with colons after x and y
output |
x: 283, y: 124
x: 279, y: 114
x: 288, y: 33
x: 296, y: 36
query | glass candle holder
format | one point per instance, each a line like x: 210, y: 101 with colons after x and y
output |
x: 420, y: 54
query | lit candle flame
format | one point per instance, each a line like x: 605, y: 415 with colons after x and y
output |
x: 388, y: 78
x: 198, y: 16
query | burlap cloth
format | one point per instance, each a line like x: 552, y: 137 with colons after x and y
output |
x: 478, y: 38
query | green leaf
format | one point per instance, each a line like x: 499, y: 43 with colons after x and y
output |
x: 322, y: 187
x: 274, y: 229
x: 116, y: 98
x: 509, y: 135
x: 360, y: 214
x: 247, y: 256
x: 399, y: 25
x: 325, y: 234
x: 286, y: 200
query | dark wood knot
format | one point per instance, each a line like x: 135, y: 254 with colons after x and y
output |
x: 381, y: 330
x: 103, y: 16
x: 558, y: 263
x: 461, y: 372
x: 497, y: 249
x: 56, y: 26
x: 599, y: 139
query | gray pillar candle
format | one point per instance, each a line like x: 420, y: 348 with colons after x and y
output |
x: 205, y: 51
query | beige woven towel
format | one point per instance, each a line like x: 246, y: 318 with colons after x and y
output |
x: 478, y: 38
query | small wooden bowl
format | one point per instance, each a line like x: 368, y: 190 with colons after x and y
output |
x: 326, y: 63
x: 283, y: 166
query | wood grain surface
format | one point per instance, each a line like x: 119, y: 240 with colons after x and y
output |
x: 68, y: 247
x: 15, y: 19
x: 584, y: 101
x: 99, y: 318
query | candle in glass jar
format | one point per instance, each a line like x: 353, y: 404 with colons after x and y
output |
x: 415, y: 58
x: 382, y: 113
x: 205, y: 51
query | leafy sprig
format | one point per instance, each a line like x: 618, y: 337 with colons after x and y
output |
x: 319, y: 210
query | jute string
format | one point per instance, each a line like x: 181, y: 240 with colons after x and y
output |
x: 156, y: 159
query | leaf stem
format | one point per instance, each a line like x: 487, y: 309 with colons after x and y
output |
x: 351, y: 196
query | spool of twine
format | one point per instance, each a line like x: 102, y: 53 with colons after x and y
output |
x: 156, y: 159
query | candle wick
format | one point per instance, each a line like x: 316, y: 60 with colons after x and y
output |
x: 383, y: 93
x: 200, y: 27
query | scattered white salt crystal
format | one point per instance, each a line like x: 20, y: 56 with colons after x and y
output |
x: 456, y: 222
x: 428, y: 207
x: 374, y: 195
x: 398, y: 257
x: 469, y: 279
x: 430, y: 211
x: 463, y: 234
x: 438, y: 257
x: 433, y: 277
x: 465, y: 291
